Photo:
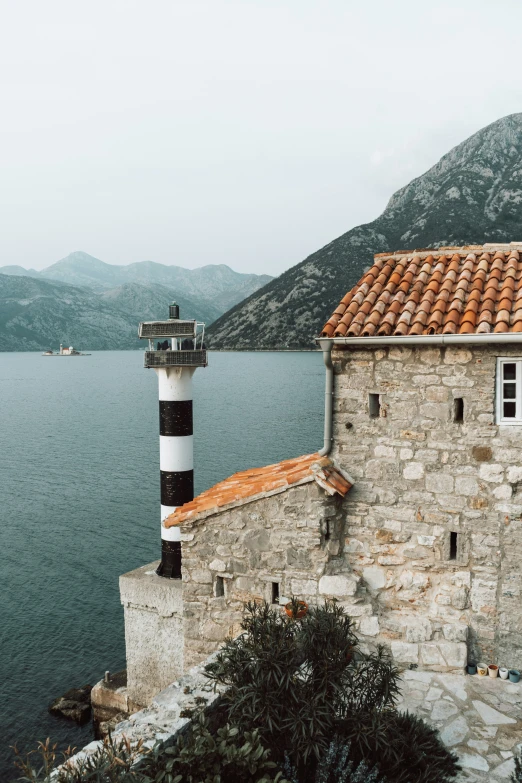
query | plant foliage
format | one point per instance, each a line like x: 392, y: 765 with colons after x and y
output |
x: 295, y: 679
x: 336, y: 767
x: 406, y: 749
x: 199, y: 756
x: 113, y: 762
x: 516, y: 777
x: 227, y: 756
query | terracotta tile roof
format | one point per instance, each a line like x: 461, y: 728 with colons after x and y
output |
x: 249, y: 485
x: 453, y: 290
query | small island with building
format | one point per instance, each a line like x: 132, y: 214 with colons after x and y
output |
x: 70, y: 351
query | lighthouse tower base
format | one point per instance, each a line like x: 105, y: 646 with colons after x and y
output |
x: 153, y: 608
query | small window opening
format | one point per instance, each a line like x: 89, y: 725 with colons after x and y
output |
x: 327, y: 530
x: 458, y: 410
x: 220, y: 587
x: 275, y: 592
x: 453, y: 546
x: 374, y: 404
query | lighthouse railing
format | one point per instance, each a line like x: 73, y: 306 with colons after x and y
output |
x: 168, y: 358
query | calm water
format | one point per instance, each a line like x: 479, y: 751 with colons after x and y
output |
x: 79, y: 502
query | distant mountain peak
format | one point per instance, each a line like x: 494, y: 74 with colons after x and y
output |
x: 79, y: 257
x: 79, y: 294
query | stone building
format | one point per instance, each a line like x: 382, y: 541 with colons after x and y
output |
x: 269, y: 533
x: 425, y: 354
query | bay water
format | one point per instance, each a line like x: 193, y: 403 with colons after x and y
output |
x: 79, y: 502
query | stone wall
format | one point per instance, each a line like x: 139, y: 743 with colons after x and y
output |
x: 153, y: 608
x: 419, y: 478
x: 168, y: 714
x: 291, y: 539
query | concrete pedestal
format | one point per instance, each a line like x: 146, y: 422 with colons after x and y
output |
x: 110, y: 703
x: 153, y: 609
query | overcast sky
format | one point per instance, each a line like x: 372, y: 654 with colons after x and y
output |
x: 248, y: 132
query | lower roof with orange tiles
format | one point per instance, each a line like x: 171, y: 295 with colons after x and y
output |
x: 252, y: 484
x: 475, y: 289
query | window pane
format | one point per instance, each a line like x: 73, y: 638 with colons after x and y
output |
x: 510, y: 391
x: 509, y: 410
x: 510, y: 371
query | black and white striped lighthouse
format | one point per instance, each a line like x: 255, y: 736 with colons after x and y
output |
x: 179, y: 351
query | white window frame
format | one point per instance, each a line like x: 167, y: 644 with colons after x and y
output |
x: 516, y: 421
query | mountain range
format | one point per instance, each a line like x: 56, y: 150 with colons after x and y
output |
x: 85, y: 302
x: 472, y: 195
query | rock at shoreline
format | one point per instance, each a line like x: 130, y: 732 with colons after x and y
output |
x: 74, y: 705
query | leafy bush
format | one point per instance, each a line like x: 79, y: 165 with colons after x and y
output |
x: 199, y: 756
x: 516, y: 777
x: 406, y: 749
x: 302, y: 682
x: 294, y: 679
x: 228, y: 756
x: 111, y: 763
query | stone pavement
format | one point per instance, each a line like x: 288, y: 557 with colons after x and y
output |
x: 479, y: 718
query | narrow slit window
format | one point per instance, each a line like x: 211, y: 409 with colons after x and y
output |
x: 374, y: 404
x: 458, y: 410
x: 220, y: 587
x: 275, y: 592
x: 509, y: 391
x: 327, y: 530
x: 453, y: 546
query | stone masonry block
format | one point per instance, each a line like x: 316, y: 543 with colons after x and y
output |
x: 493, y: 473
x: 482, y: 453
x: 374, y: 577
x: 413, y: 471
x: 503, y: 492
x: 435, y: 410
x: 457, y: 355
x: 217, y: 565
x: 514, y: 474
x: 460, y: 598
x: 339, y: 585
x: 369, y: 626
x: 439, y: 482
x: 418, y: 629
x: 455, y: 632
x: 304, y: 586
x: 403, y: 652
x: 466, y: 485
x: 443, y: 656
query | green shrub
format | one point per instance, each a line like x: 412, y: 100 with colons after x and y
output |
x: 294, y: 679
x: 405, y: 748
x: 111, y: 763
x: 516, y: 777
x: 199, y: 756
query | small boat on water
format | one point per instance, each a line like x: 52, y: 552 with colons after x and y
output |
x: 65, y: 352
